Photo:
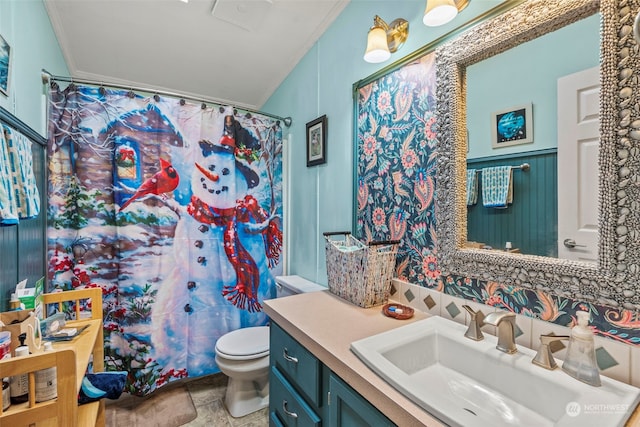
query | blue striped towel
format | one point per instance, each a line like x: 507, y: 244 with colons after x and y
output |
x: 472, y: 187
x: 8, y: 206
x: 25, y: 190
x: 497, y: 186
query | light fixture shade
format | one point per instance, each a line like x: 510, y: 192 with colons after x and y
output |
x: 439, y: 12
x: 377, y: 47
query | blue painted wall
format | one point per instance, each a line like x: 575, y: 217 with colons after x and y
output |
x: 25, y: 25
x: 321, y: 197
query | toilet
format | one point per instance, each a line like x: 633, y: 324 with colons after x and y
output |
x: 243, y: 356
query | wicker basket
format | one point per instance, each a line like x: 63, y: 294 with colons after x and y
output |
x: 357, y: 272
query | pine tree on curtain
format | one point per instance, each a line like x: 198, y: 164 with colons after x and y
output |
x: 174, y: 209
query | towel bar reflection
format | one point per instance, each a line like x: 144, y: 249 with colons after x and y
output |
x: 524, y: 167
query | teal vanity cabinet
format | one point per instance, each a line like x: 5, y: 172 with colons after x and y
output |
x: 348, y: 409
x: 295, y: 383
x: 304, y: 392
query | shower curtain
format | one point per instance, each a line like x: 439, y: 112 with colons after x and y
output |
x: 174, y: 209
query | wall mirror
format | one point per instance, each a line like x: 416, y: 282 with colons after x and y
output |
x: 499, y: 88
x: 612, y: 278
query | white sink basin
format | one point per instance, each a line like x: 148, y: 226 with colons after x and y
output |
x: 469, y: 383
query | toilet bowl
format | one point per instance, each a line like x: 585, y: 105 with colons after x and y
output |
x: 243, y: 356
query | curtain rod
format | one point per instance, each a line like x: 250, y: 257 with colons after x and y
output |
x: 47, y: 77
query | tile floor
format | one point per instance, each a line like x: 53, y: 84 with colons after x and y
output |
x: 207, y: 394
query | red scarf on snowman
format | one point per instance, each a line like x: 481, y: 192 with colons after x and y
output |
x: 244, y: 294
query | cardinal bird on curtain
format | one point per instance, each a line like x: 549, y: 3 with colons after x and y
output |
x: 164, y: 181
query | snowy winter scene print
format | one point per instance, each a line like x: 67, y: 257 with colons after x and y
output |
x: 175, y: 211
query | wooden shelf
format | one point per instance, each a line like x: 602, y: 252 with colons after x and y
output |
x: 82, y: 345
x: 71, y: 359
x: 88, y: 413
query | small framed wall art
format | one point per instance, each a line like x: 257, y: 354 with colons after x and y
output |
x: 512, y: 126
x: 317, y: 141
x: 5, y: 64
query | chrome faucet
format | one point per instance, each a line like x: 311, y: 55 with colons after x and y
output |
x: 505, y: 322
x: 477, y: 320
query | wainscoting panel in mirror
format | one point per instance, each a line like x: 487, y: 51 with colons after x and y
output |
x: 614, y: 280
x: 529, y: 224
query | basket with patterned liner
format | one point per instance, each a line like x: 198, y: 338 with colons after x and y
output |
x: 357, y: 272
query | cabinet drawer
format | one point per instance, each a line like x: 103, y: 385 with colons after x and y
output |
x: 300, y: 367
x: 286, y: 406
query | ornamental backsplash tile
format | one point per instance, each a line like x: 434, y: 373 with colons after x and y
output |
x: 618, y: 324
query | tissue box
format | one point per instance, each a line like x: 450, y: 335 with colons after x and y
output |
x: 17, y: 328
x: 32, y: 297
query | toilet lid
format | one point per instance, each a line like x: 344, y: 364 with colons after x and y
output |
x: 245, y: 343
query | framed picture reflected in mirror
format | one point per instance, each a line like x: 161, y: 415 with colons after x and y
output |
x: 512, y: 126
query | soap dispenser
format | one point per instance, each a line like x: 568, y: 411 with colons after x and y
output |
x: 580, y: 362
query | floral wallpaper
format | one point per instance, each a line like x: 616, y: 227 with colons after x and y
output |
x: 396, y: 154
x: 396, y: 167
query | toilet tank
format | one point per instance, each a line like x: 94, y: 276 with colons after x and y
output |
x: 291, y: 285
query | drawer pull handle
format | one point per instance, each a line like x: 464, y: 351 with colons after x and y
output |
x: 289, y: 413
x: 289, y: 358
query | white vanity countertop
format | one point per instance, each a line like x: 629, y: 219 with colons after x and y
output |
x: 326, y: 325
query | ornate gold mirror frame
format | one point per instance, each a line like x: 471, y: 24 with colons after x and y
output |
x: 614, y: 280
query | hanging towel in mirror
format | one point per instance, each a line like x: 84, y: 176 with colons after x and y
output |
x: 497, y: 186
x: 25, y: 190
x: 8, y: 207
x: 472, y: 187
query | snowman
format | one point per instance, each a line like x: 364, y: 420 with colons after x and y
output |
x: 224, y: 244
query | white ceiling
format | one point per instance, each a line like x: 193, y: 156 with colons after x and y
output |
x: 232, y: 51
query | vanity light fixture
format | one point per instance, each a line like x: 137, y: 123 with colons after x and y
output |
x: 384, y: 39
x: 439, y: 12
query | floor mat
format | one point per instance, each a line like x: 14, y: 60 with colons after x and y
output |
x: 164, y: 408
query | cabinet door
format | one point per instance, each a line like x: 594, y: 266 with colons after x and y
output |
x: 286, y: 406
x: 348, y: 409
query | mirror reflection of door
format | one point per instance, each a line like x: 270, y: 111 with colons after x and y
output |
x: 578, y: 141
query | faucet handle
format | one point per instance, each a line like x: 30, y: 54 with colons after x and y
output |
x: 544, y: 356
x: 477, y: 321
